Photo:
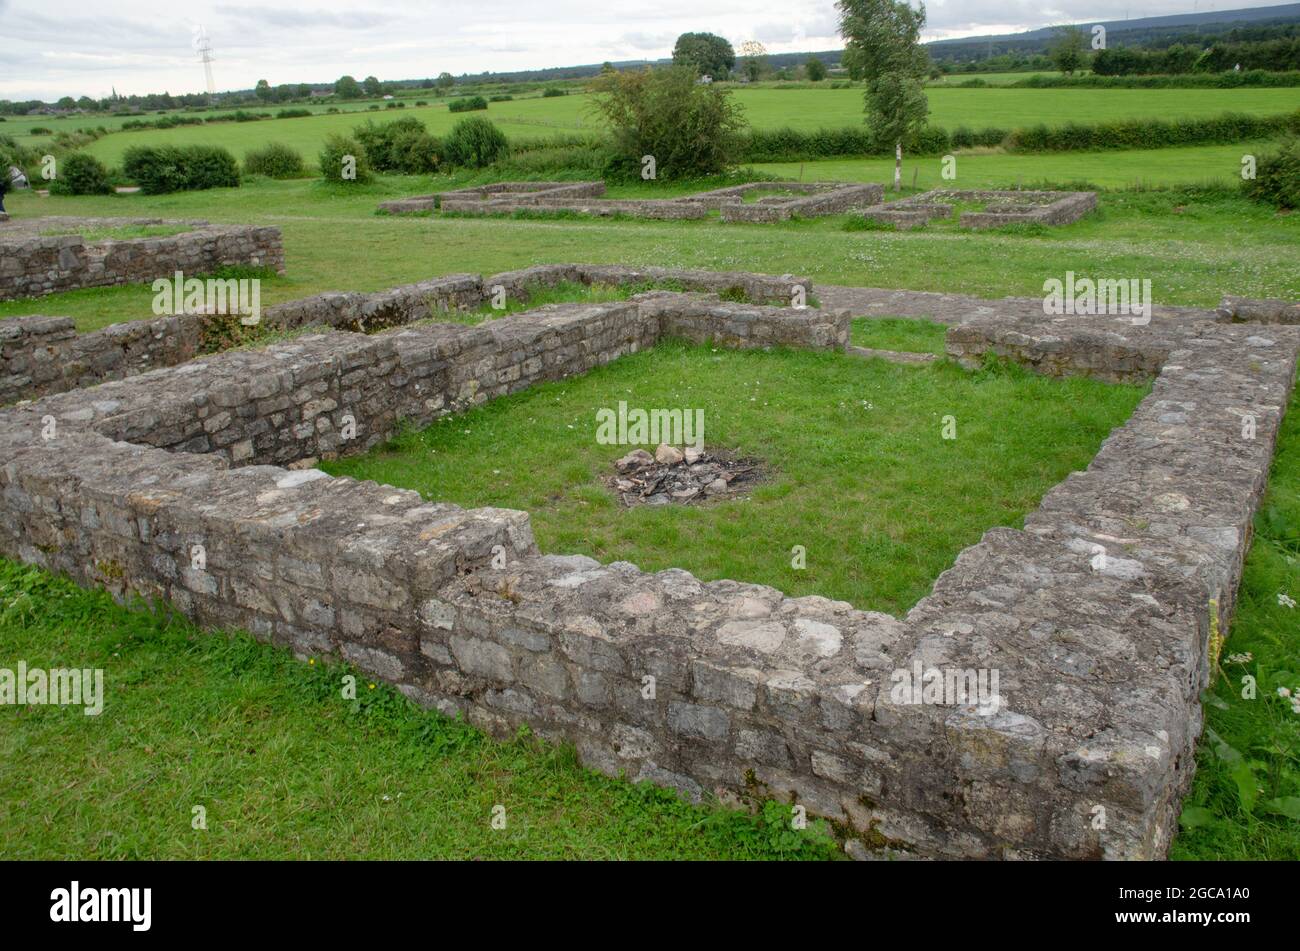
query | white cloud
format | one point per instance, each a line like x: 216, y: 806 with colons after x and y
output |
x: 53, y: 48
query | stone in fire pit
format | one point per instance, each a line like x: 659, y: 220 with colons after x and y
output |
x: 683, y: 477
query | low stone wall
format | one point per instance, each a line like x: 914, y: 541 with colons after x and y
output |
x: 1251, y: 310
x: 1002, y: 208
x: 754, y: 288
x: 666, y: 210
x: 827, y: 199
x: 1097, y: 616
x: 32, y: 265
x: 805, y: 199
x: 319, y: 395
x: 521, y: 192
x: 44, y: 355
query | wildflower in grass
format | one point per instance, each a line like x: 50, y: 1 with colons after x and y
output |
x: 1243, y: 658
x: 1285, y: 600
x: 1284, y: 691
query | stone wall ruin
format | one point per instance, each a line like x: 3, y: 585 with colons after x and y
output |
x: 757, y: 694
x: 34, y: 264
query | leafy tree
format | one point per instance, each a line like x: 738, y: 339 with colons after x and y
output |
x: 815, y: 69
x: 446, y: 81
x: 691, y: 129
x: 347, y: 88
x: 885, y: 37
x: 263, y: 90
x: 372, y: 86
x: 1067, y: 49
x: 755, y: 54
x: 710, y: 54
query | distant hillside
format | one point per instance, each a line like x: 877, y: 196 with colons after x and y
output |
x: 1145, y: 31
x: 1158, y: 31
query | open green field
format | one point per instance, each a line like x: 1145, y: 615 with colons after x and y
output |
x: 981, y: 169
x: 804, y: 107
x: 864, y: 433
x: 1195, y: 247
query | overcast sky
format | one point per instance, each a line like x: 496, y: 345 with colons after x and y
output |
x: 51, y: 48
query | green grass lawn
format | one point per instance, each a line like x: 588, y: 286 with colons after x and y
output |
x: 1194, y: 247
x: 899, y: 333
x: 985, y: 168
x: 803, y: 108
x: 284, y: 767
x: 866, y: 434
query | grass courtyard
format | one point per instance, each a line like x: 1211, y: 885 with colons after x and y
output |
x: 861, y: 475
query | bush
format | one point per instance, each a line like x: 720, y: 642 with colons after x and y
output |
x: 293, y: 113
x: 468, y: 104
x: 169, y: 168
x: 1152, y: 133
x: 333, y: 158
x: 403, y: 145
x: 274, y: 160
x: 80, y: 174
x: 500, y: 98
x: 550, y: 92
x: 475, y: 143
x: 1277, y: 176
x: 691, y: 129
x: 40, y: 130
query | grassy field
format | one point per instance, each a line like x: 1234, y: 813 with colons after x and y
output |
x: 804, y: 107
x: 1194, y: 247
x: 866, y: 433
x: 1220, y: 164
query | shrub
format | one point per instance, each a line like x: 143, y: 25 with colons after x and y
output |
x: 691, y: 129
x: 1277, y: 176
x: 403, y: 145
x: 333, y: 160
x: 40, y: 130
x: 293, y: 113
x: 500, y: 97
x: 468, y: 104
x: 80, y: 174
x: 169, y: 168
x: 274, y: 160
x: 550, y: 92
x: 475, y: 143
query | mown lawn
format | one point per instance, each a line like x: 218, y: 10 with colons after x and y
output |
x: 861, y: 474
x: 284, y: 767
